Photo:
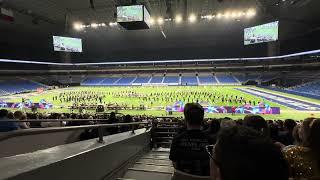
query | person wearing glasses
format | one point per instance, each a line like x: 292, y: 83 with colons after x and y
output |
x: 244, y: 153
x: 187, y: 151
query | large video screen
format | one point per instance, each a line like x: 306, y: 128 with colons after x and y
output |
x: 147, y: 17
x: 67, y: 44
x: 130, y: 13
x: 263, y: 33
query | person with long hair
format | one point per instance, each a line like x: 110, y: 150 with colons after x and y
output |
x: 304, y: 159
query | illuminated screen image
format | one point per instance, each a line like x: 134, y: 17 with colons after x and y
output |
x: 147, y: 17
x: 130, y: 13
x: 67, y: 44
x: 263, y: 33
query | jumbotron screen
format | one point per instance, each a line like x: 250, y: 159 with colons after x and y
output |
x: 130, y: 13
x: 67, y: 44
x: 263, y: 33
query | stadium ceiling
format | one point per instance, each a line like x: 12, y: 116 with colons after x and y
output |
x: 58, y: 11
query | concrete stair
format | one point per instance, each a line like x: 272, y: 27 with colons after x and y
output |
x: 154, y: 165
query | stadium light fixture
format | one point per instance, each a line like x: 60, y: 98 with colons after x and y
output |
x: 219, y: 15
x: 251, y: 12
x: 78, y: 26
x: 233, y: 14
x: 152, y: 21
x: 178, y: 19
x: 103, y: 24
x: 160, y: 20
x: 192, y: 18
x: 239, y: 14
x: 227, y: 15
x: 94, y: 25
x: 209, y: 17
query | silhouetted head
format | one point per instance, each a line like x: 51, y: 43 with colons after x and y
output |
x: 194, y: 114
x: 244, y: 153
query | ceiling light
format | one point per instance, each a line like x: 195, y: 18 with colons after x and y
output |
x: 160, y: 20
x: 219, y: 15
x: 239, y: 14
x: 192, y: 18
x: 178, y: 19
x: 233, y: 14
x: 227, y: 15
x: 94, y: 25
x: 251, y: 12
x: 78, y: 26
x: 152, y: 21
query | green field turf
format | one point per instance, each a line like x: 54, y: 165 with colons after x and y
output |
x: 161, y: 101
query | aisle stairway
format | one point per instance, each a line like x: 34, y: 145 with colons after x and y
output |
x: 153, y: 166
x: 156, y: 165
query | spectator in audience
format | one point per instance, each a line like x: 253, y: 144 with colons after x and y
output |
x: 286, y: 137
x: 243, y: 153
x: 58, y: 123
x: 126, y: 119
x: 24, y: 125
x: 296, y: 135
x: 213, y: 130
x: 304, y: 159
x: 187, y: 151
x: 112, y: 120
x: 11, y: 116
x: 257, y: 122
x: 18, y: 115
x: 274, y: 133
x: 34, y: 116
x: 228, y: 123
x: 280, y: 125
x: 5, y: 123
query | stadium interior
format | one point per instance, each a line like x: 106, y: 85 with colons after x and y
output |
x: 101, y: 89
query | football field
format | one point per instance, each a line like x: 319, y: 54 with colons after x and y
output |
x: 156, y: 99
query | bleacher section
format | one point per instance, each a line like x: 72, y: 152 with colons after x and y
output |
x: 93, y: 81
x: 171, y: 79
x: 245, y: 78
x: 267, y: 77
x: 207, y: 80
x: 109, y: 81
x: 125, y: 81
x: 18, y: 86
x: 312, y: 88
x: 189, y: 80
x: 141, y: 80
x: 158, y: 80
x: 227, y: 79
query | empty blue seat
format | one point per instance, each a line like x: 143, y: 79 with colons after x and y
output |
x: 189, y: 80
x: 18, y: 86
x: 312, y: 88
x: 142, y: 80
x: 171, y: 79
x: 226, y: 79
x: 156, y: 80
x: 207, y: 80
x: 125, y: 81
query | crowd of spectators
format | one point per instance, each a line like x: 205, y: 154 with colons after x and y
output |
x: 250, y: 149
x: 18, y: 120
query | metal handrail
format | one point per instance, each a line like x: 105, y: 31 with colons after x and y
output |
x: 12, y: 134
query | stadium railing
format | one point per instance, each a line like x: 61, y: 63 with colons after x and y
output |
x: 100, y: 127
